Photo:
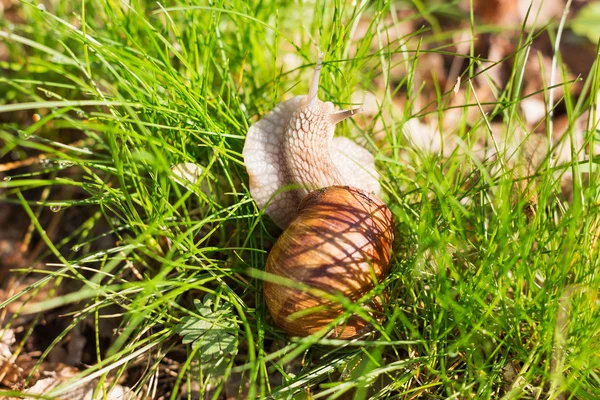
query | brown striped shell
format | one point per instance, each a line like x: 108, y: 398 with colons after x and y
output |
x: 339, y: 243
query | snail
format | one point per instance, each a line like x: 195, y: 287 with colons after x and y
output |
x: 323, y: 192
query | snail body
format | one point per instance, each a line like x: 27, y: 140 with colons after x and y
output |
x: 339, y: 243
x: 292, y: 151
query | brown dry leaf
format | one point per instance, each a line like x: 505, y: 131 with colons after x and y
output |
x: 526, y: 163
x: 7, y: 340
x: 9, y: 11
x: 480, y: 93
x: 71, y: 350
x: 11, y: 376
x: 510, y: 373
x: 10, y: 257
x: 424, y: 137
x: 533, y: 109
x: 50, y: 374
x: 496, y: 11
x: 3, y: 52
x: 18, y: 285
x: 513, y: 12
x: 534, y: 151
x: 236, y: 387
x: 537, y: 78
x: 6, y: 5
x: 494, y: 73
x: 430, y: 71
x: 53, y: 374
x: 542, y: 11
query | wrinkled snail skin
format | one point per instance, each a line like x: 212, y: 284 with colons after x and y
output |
x: 291, y: 151
x: 339, y: 243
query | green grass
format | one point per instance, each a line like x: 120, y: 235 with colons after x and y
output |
x: 483, y: 302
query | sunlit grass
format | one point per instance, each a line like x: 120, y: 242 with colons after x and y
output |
x: 484, y: 301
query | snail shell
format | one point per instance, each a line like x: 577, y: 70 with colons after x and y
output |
x: 339, y: 243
